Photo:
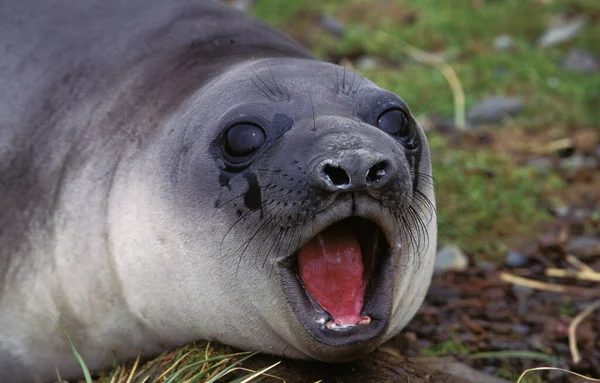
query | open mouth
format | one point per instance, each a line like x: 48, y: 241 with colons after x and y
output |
x: 340, y: 282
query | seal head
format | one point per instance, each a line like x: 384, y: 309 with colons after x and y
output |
x: 324, y: 211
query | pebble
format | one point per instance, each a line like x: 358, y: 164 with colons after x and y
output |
x: 584, y: 246
x: 578, y: 60
x: 332, y: 25
x: 515, y: 259
x: 503, y: 42
x: 520, y: 329
x: 366, y: 63
x: 450, y: 257
x: 541, y: 165
x: 494, y: 109
x: 560, y: 211
x: 561, y: 31
x: 577, y: 162
x: 522, y: 292
x: 243, y: 5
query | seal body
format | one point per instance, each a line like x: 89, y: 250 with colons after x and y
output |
x: 175, y: 171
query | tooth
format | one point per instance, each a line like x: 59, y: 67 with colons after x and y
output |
x: 365, y: 320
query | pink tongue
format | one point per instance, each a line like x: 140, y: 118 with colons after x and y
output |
x: 332, y: 271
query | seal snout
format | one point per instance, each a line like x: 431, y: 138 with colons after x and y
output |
x: 353, y: 172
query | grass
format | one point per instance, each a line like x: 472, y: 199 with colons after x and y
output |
x: 485, y: 199
x: 448, y: 347
x: 465, y: 34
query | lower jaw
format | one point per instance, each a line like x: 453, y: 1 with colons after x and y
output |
x: 342, y: 343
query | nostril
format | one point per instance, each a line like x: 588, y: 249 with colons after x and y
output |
x: 377, y: 172
x: 336, y: 175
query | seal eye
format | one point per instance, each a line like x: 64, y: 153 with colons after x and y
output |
x: 395, y: 123
x: 244, y: 139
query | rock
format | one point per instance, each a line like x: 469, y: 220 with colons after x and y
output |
x: 450, y: 257
x: 367, y: 63
x: 515, y: 259
x: 503, y: 42
x: 584, y: 246
x: 561, y: 30
x: 332, y: 25
x: 578, y: 162
x: 560, y: 211
x: 522, y: 292
x: 520, y: 329
x: 541, y: 165
x: 494, y: 109
x: 578, y: 60
x: 243, y: 5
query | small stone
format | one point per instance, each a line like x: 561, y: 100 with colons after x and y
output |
x: 515, y: 259
x: 584, y: 246
x: 366, y: 63
x: 560, y: 211
x: 578, y: 60
x: 450, y: 257
x: 520, y: 329
x: 494, y: 109
x: 578, y: 162
x: 332, y: 25
x: 243, y: 5
x: 503, y: 42
x: 522, y: 292
x: 561, y: 31
x: 541, y: 165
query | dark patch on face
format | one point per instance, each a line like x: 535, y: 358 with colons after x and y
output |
x: 224, y: 178
x: 252, y: 197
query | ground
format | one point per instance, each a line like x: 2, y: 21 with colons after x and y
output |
x: 518, y: 192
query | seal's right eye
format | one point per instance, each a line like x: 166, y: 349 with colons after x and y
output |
x: 244, y: 139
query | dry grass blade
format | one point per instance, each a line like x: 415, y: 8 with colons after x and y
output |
x: 134, y: 368
x: 570, y: 290
x: 581, y: 275
x: 174, y: 364
x: 258, y: 373
x: 573, y: 329
x: 574, y: 261
x: 558, y: 369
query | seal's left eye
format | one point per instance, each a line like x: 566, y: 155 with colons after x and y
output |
x: 244, y: 139
x: 396, y: 123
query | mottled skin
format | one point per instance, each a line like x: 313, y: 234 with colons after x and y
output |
x: 120, y: 218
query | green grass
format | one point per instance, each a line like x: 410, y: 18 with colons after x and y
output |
x: 484, y: 198
x: 465, y: 34
x: 448, y: 347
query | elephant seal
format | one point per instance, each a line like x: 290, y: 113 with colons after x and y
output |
x: 175, y: 170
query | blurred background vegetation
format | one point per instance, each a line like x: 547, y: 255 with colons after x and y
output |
x: 529, y: 72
